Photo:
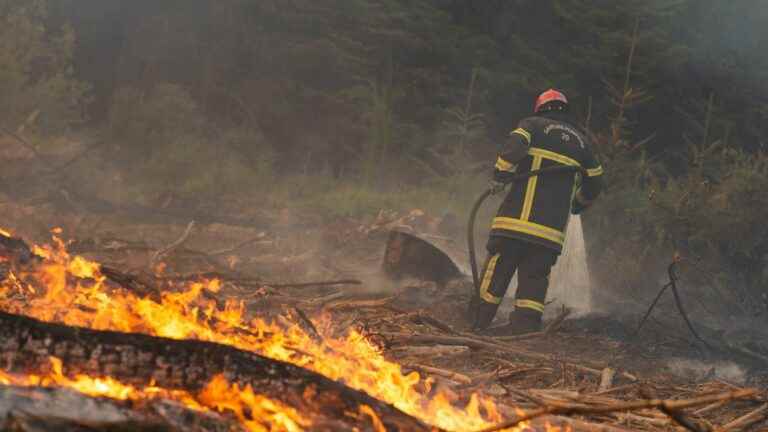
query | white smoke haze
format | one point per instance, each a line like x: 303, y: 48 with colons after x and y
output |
x: 570, y: 284
x: 697, y: 370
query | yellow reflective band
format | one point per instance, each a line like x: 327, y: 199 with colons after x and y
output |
x: 530, y: 228
x: 557, y: 157
x: 530, y: 192
x: 485, y: 294
x: 594, y: 172
x: 524, y: 133
x: 530, y: 304
x: 503, y: 165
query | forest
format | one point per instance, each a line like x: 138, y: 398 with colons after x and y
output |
x: 344, y: 107
x: 322, y: 112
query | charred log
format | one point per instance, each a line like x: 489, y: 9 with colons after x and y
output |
x: 28, y: 409
x: 407, y: 255
x: 15, y: 249
x: 27, y: 344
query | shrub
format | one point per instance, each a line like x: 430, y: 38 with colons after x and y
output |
x: 38, y: 89
x: 163, y: 141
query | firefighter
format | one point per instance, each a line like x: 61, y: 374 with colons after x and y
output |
x: 528, y: 232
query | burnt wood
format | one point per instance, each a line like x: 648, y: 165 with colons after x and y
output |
x: 34, y: 409
x: 26, y: 345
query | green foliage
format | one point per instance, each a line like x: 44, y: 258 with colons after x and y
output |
x: 464, y: 129
x: 376, y: 100
x: 38, y: 88
x: 704, y: 201
x: 144, y: 123
x: 331, y: 198
x: 161, y: 137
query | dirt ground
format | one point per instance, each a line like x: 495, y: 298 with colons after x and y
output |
x: 588, y: 357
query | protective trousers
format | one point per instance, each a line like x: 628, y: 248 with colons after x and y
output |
x: 506, y: 256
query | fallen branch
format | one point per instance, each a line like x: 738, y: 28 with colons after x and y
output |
x: 307, y: 325
x: 570, y: 409
x: 157, y: 256
x: 614, y: 389
x: 237, y: 247
x: 481, y: 381
x: 746, y: 420
x: 255, y: 282
x: 569, y: 424
x: 130, y: 282
x: 524, y: 336
x: 525, y: 371
x: 322, y: 301
x: 461, y: 340
x: 675, y: 415
x: 481, y: 344
x: 451, y: 375
x: 606, y: 379
x: 346, y: 304
x: 599, y: 373
x: 434, y: 322
x: 710, y: 407
x: 653, y: 421
x: 431, y: 351
x: 315, y: 284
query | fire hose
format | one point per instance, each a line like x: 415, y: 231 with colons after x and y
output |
x: 479, y: 203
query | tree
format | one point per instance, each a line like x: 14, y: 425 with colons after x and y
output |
x: 38, y: 88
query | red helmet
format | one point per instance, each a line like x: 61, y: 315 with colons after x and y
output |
x: 548, y: 96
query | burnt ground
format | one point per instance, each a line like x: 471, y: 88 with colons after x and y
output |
x: 568, y: 364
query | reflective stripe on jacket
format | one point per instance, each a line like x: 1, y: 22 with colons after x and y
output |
x: 538, y: 209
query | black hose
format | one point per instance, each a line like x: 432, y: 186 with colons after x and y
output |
x: 471, y: 237
x: 650, y: 309
x: 678, y: 303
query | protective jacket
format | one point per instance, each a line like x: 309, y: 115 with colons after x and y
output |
x: 538, y: 209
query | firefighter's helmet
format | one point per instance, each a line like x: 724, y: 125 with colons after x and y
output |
x: 549, y: 100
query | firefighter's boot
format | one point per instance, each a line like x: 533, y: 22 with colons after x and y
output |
x: 521, y: 321
x: 484, y: 314
x: 524, y: 321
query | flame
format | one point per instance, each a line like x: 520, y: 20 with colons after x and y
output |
x: 72, y: 290
x: 225, y: 397
x: 264, y: 414
x: 377, y: 424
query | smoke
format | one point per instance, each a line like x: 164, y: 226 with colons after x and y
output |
x: 696, y: 370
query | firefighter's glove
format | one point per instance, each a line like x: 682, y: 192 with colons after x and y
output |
x: 577, y: 207
x: 497, y: 187
x: 580, y: 204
